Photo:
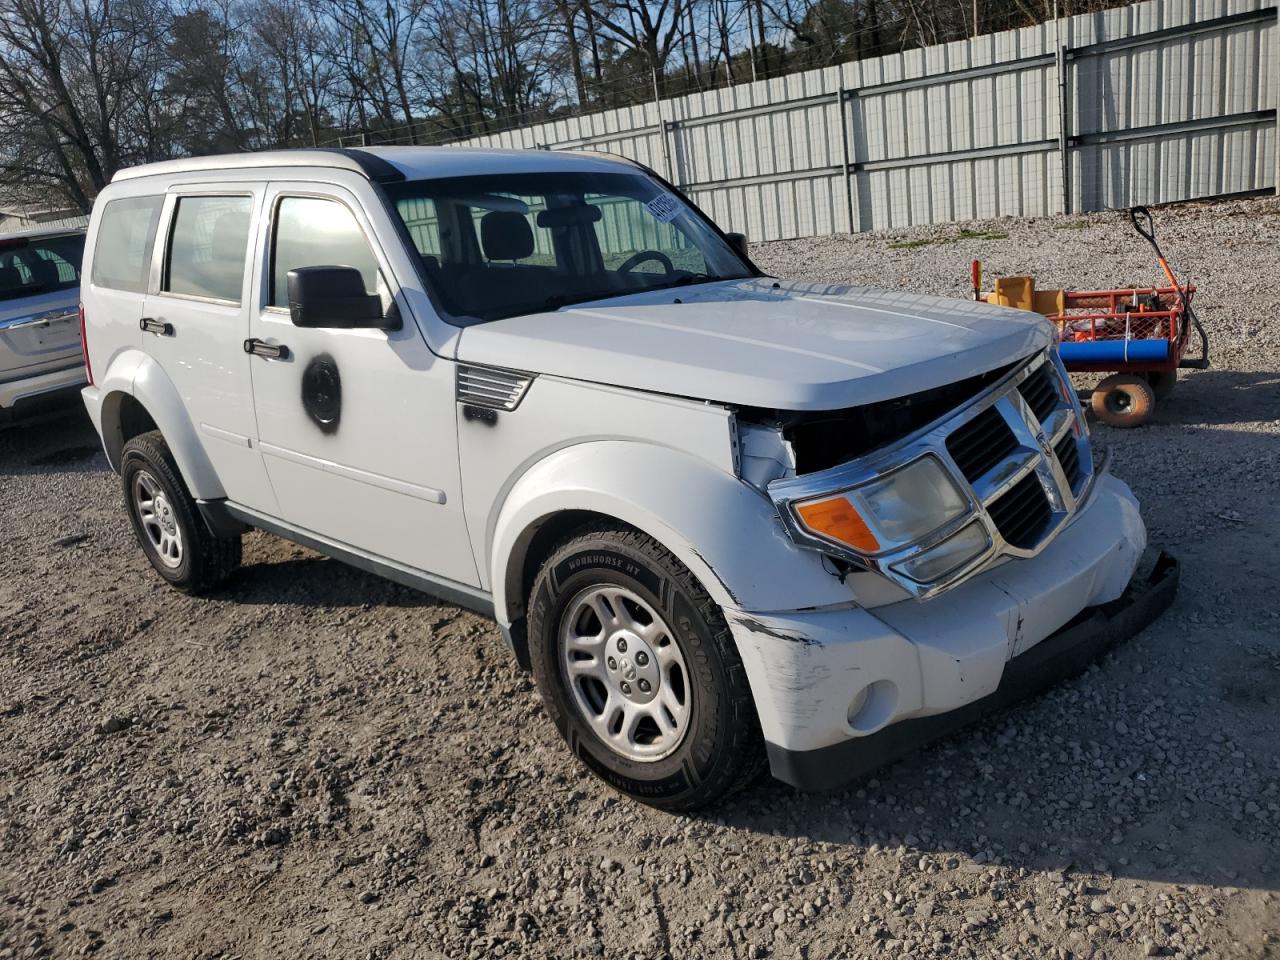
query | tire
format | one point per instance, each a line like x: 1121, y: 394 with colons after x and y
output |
x: 697, y: 681
x: 1123, y: 400
x: 171, y: 532
x: 1162, y: 382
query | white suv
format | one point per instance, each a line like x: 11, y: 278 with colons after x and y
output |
x: 40, y: 356
x: 721, y: 517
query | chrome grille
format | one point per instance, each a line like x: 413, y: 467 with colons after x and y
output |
x: 491, y: 387
x: 981, y: 443
x: 1068, y: 453
x: 1041, y: 392
x: 1019, y: 451
x: 1022, y: 513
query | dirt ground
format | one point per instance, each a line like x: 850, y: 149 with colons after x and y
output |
x: 317, y: 763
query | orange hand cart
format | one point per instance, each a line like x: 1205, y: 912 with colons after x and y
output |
x: 1138, y: 334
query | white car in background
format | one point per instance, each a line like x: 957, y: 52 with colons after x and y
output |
x: 725, y: 519
x: 40, y: 352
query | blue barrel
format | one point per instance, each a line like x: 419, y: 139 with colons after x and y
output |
x: 1114, y: 351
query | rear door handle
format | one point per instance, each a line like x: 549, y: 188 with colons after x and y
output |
x: 260, y: 348
x: 159, y: 327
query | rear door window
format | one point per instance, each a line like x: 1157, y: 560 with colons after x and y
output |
x: 207, y: 247
x: 122, y: 251
x: 314, y: 232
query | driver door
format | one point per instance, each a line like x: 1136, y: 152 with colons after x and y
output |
x: 356, y: 425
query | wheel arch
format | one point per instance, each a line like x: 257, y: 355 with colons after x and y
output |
x: 137, y: 396
x: 724, y: 532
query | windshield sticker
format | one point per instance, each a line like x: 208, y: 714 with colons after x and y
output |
x: 664, y: 207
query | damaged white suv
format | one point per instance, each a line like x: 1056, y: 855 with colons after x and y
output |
x: 726, y: 520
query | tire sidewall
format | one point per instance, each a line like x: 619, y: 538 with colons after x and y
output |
x: 600, y: 560
x: 1139, y: 393
x: 135, y: 461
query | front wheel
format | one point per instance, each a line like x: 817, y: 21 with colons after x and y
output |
x: 639, y: 672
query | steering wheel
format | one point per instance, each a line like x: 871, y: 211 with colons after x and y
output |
x: 636, y: 259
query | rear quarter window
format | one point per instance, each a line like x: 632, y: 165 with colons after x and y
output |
x: 122, y: 250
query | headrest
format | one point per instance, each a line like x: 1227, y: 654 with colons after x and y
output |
x: 45, y: 273
x: 10, y: 278
x: 230, y: 236
x: 505, y: 235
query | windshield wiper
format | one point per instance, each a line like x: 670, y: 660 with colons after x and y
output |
x: 695, y: 278
x: 558, y: 300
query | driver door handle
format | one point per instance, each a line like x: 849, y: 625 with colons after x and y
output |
x: 160, y: 328
x: 260, y: 348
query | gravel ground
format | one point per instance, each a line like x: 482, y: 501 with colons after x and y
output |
x: 314, y: 762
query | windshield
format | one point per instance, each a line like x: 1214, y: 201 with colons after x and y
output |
x: 31, y: 266
x: 509, y: 244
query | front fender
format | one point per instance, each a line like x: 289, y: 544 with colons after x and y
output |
x: 134, y: 373
x: 725, y: 532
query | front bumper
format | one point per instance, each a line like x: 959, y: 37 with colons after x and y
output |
x: 1065, y: 653
x: 827, y: 681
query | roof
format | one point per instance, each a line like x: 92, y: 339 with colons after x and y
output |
x: 385, y: 164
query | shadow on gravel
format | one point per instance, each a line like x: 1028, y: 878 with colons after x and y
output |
x: 315, y: 581
x: 63, y: 440
x: 998, y: 791
x: 1198, y: 846
x: 1222, y: 397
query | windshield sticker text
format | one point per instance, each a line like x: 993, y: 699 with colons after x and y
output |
x: 664, y: 207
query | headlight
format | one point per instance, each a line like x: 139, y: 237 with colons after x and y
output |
x: 947, y: 557
x: 888, y: 512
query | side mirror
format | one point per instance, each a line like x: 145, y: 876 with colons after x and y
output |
x: 335, y: 297
x: 739, y: 243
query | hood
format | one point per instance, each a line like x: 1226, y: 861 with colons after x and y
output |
x: 746, y: 342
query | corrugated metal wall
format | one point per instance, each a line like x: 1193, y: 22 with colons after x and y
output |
x: 1165, y: 100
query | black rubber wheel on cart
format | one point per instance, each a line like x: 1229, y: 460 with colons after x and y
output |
x: 1123, y: 400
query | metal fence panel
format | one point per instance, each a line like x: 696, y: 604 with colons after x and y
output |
x: 1166, y: 100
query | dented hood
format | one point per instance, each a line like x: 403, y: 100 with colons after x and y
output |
x: 746, y: 342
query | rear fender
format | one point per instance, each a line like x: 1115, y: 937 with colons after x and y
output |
x: 133, y: 373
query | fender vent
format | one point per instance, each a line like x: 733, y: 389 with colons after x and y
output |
x: 491, y: 387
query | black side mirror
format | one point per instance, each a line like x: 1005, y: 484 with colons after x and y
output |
x: 335, y: 297
x: 739, y: 243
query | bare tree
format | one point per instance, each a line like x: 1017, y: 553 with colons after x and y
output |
x: 72, y: 78
x: 89, y: 86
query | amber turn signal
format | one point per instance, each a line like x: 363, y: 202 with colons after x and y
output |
x: 836, y: 518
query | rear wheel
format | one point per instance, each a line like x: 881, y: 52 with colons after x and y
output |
x: 165, y: 519
x: 639, y: 672
x: 1123, y: 400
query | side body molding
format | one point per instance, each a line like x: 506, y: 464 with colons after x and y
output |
x: 133, y: 373
x: 726, y: 532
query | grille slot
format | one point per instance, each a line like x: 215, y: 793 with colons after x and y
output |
x: 1068, y: 454
x: 1040, y: 392
x: 1022, y: 514
x: 487, y: 387
x: 981, y: 444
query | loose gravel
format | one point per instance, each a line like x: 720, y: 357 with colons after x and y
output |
x: 317, y: 763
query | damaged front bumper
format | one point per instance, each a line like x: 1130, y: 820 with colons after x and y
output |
x: 1063, y: 654
x: 835, y: 687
